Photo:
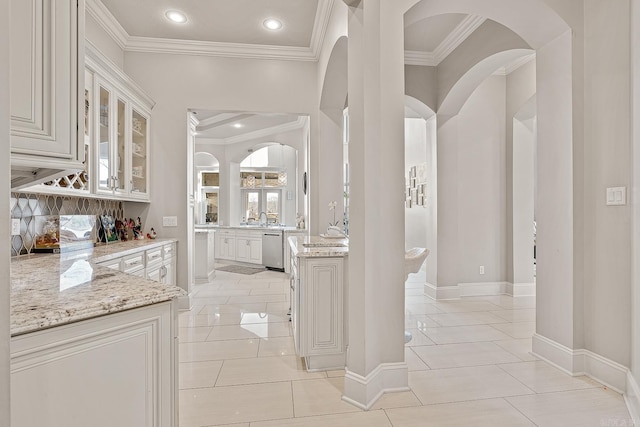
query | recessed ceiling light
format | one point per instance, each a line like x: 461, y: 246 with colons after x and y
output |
x: 237, y: 125
x: 272, y: 24
x: 176, y: 16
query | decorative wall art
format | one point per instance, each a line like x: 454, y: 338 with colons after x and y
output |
x: 416, y: 186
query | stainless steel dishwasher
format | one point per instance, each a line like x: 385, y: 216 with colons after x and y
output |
x: 272, y: 250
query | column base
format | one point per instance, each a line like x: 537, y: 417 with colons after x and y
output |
x: 363, y: 392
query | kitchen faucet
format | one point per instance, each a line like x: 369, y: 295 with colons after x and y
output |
x: 266, y: 219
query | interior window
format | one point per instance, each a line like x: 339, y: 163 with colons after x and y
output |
x: 252, y: 206
x: 273, y: 207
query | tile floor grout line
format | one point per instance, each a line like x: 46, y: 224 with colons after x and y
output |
x: 512, y: 376
x: 517, y: 409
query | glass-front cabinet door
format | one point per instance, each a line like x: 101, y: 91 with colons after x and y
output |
x: 123, y: 146
x: 121, y: 152
x: 104, y: 135
x: 139, y: 159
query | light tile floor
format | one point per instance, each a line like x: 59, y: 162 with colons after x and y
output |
x: 469, y: 365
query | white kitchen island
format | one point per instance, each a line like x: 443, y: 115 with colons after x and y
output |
x: 318, y: 300
x: 90, y: 345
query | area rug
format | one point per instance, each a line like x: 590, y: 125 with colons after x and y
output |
x: 240, y: 269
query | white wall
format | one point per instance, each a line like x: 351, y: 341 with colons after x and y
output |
x: 5, y: 390
x: 482, y: 184
x: 328, y: 183
x: 607, y: 152
x: 635, y: 191
x: 179, y: 82
x: 420, y: 82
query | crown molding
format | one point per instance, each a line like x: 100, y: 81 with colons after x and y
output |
x: 98, y: 62
x: 320, y: 25
x: 108, y: 22
x: 416, y: 57
x: 459, y: 34
x: 229, y: 50
x: 510, y: 68
x: 130, y: 43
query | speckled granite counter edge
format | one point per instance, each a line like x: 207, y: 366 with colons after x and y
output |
x: 324, y: 250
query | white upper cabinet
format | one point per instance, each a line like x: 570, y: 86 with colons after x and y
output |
x: 120, y: 121
x: 47, y: 89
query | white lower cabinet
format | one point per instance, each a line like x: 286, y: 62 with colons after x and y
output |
x: 249, y: 247
x: 242, y: 246
x: 157, y: 263
x: 225, y: 245
x: 317, y: 304
x: 115, y: 370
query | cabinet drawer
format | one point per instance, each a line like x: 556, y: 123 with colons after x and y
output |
x: 154, y: 256
x: 114, y: 264
x: 132, y: 262
x: 169, y: 251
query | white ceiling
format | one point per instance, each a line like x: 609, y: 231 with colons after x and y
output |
x: 224, y: 21
x: 218, y: 126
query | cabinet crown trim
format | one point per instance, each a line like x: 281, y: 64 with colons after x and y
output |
x: 97, y: 62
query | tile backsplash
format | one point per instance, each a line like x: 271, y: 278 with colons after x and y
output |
x: 25, y: 206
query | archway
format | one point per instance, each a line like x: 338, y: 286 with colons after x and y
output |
x: 421, y: 220
x: 555, y: 256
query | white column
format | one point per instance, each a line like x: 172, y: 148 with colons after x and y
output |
x: 446, y: 284
x: 375, y: 357
x: 522, y: 205
x: 5, y: 418
x: 555, y: 289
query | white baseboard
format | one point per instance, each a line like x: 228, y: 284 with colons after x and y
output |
x: 581, y: 362
x: 478, y: 289
x: 520, y: 289
x: 632, y: 398
x: 205, y: 280
x: 363, y: 392
x: 439, y: 293
x: 481, y: 289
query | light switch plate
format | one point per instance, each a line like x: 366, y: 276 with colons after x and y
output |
x: 616, y: 196
x: 170, y: 221
x: 15, y: 226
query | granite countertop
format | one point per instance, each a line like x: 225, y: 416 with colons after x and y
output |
x: 316, y: 246
x: 54, y: 289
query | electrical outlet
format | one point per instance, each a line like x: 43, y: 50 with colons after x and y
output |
x: 170, y: 221
x: 482, y: 269
x: 15, y: 226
